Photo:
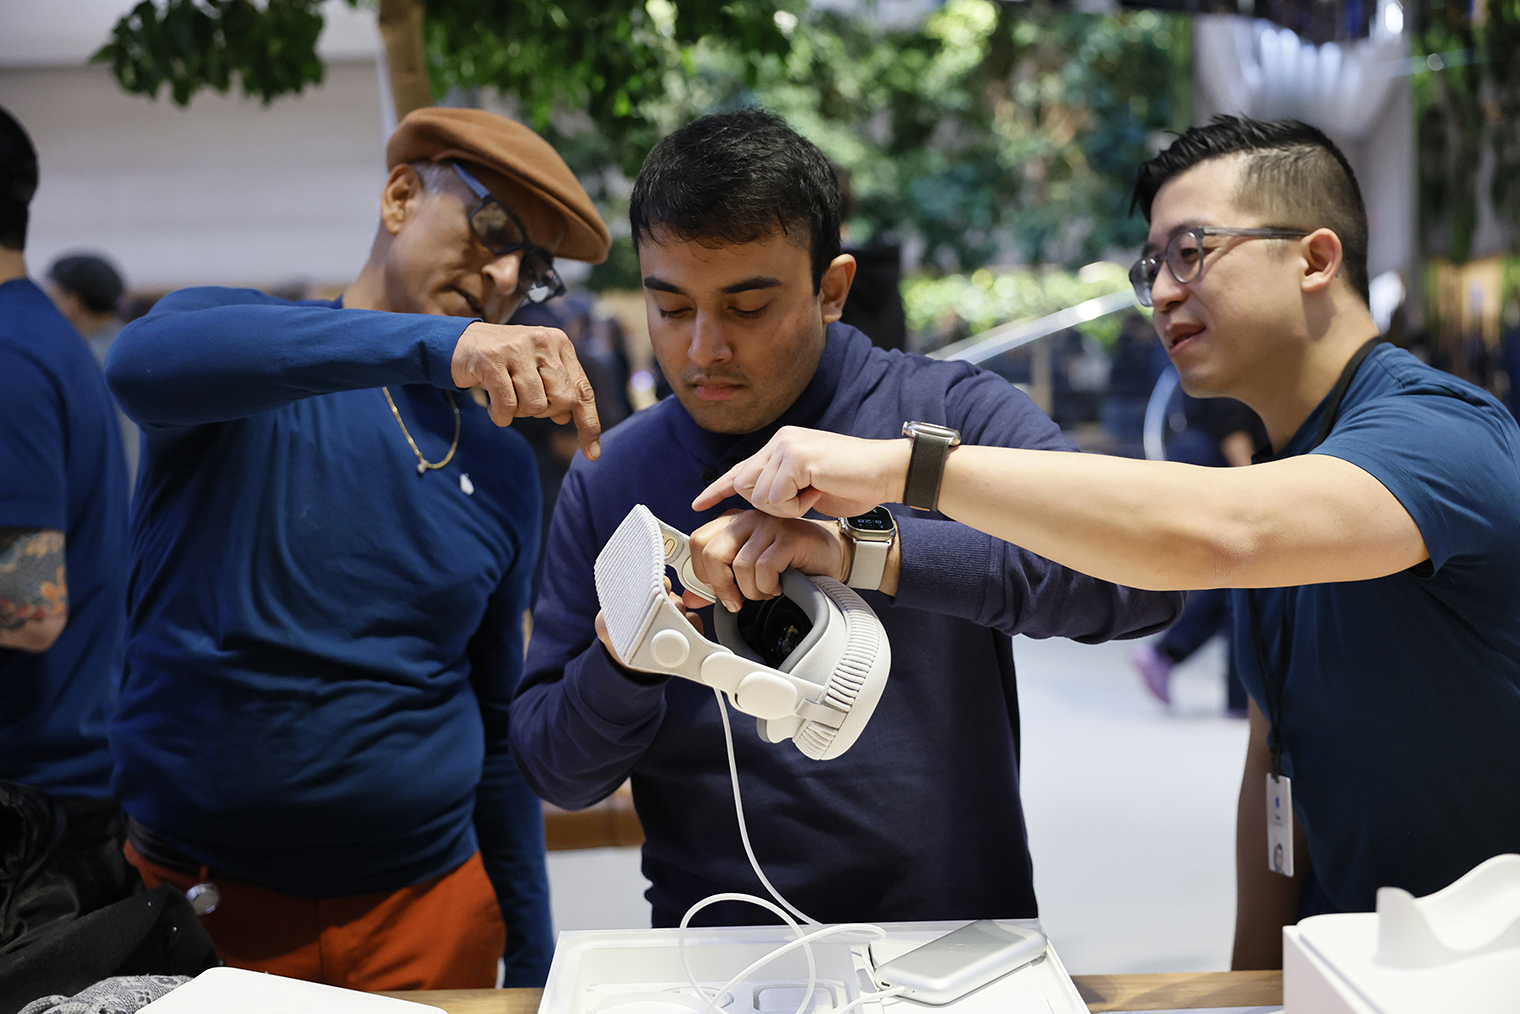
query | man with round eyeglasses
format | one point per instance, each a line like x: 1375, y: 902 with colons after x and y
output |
x: 332, y: 554
x: 1377, y: 544
x: 1184, y: 253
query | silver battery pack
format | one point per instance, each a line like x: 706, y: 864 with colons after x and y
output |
x: 947, y: 968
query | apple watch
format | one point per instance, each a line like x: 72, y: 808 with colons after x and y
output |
x: 872, y: 535
x: 926, y: 466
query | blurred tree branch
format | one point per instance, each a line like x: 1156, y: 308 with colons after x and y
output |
x: 401, y: 24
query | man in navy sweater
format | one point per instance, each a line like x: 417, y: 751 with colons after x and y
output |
x: 737, y: 223
x: 332, y: 555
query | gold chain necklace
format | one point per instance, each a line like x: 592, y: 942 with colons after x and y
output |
x: 423, y: 464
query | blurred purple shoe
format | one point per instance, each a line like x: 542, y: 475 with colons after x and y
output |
x: 1156, y: 670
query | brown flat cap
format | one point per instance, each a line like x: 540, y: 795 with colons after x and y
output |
x: 518, y: 167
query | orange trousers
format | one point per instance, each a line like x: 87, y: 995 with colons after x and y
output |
x: 444, y: 933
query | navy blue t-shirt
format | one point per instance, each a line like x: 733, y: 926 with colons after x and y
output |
x: 1401, y: 704
x: 61, y: 467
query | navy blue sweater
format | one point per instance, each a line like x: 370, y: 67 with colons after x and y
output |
x: 921, y: 818
x: 323, y: 644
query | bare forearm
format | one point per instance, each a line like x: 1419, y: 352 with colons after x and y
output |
x: 34, y: 600
x: 1164, y: 525
x: 1146, y: 524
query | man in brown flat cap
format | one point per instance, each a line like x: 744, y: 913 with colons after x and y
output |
x: 332, y: 553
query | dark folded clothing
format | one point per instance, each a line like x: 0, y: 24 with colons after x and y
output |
x: 154, y: 933
x: 59, y: 858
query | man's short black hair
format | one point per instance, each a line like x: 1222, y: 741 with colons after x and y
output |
x: 1293, y: 176
x: 18, y: 181
x: 90, y: 277
x: 739, y: 177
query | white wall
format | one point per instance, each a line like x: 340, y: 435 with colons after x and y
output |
x: 226, y: 191
x: 1357, y: 93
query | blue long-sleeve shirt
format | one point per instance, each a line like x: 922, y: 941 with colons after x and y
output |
x: 921, y: 819
x: 323, y: 643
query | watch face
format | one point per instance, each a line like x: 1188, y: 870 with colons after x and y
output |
x: 930, y: 429
x: 877, y: 520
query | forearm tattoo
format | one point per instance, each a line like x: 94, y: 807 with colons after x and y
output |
x: 32, y: 585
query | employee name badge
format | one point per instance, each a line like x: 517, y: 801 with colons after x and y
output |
x: 1280, y: 824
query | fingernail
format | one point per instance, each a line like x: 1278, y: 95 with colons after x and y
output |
x: 731, y: 605
x: 596, y: 449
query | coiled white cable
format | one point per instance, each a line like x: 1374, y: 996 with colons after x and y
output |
x: 691, y: 976
x: 707, y: 1003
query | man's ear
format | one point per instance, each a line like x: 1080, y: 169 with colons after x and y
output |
x: 1323, y: 258
x: 835, y: 287
x: 398, y: 200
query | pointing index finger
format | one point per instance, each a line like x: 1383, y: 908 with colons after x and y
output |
x: 588, y: 426
x: 721, y: 489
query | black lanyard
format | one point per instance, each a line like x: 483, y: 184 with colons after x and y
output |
x: 1273, y: 682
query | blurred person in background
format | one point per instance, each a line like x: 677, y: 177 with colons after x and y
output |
x: 63, y: 557
x: 554, y: 444
x: 1219, y: 433
x: 334, y: 544
x: 875, y: 304
x: 1509, y: 353
x: 88, y: 290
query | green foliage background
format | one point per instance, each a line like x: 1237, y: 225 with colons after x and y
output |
x: 989, y: 132
x: 1462, y: 107
x: 269, y: 49
x: 988, y: 297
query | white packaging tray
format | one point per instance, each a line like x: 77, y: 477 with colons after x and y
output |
x: 593, y: 968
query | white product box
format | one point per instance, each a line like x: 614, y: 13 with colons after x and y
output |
x: 238, y: 991
x: 600, y: 970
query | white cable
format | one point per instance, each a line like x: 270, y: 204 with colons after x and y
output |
x: 733, y: 774
x: 691, y: 976
x: 804, y: 941
x: 862, y: 998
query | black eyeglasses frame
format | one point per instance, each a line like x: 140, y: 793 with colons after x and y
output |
x: 1144, y: 272
x: 547, y: 284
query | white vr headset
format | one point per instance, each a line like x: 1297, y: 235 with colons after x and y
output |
x: 809, y: 664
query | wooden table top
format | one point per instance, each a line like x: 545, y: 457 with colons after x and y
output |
x: 1180, y: 990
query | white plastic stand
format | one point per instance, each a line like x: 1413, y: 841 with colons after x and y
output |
x: 1455, y: 950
